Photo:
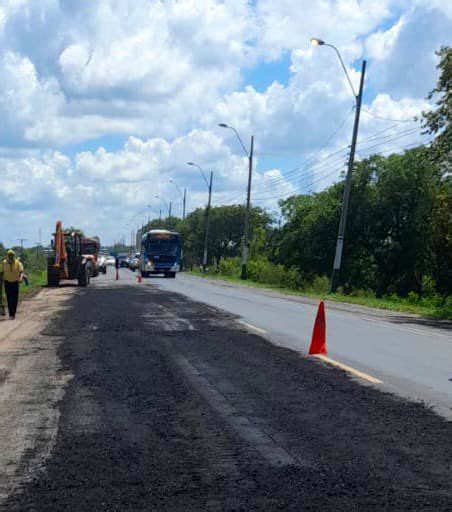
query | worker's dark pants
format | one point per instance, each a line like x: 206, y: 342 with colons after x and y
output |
x: 12, y: 296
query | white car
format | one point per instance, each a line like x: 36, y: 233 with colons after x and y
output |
x: 110, y: 261
x: 101, y: 263
x: 134, y: 263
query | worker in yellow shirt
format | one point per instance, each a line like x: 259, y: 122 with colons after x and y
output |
x: 11, y: 273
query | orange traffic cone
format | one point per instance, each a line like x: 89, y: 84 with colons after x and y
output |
x: 139, y: 277
x: 318, y: 342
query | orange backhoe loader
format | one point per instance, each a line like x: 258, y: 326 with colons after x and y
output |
x: 73, y: 257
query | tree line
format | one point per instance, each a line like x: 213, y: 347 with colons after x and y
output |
x: 399, y: 230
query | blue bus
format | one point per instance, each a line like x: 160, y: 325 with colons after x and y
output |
x: 160, y: 253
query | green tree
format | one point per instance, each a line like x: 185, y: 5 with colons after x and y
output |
x: 438, y: 120
x: 225, y: 232
x: 442, y: 238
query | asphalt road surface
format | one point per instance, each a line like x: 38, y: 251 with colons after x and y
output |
x: 411, y: 356
x: 171, y: 404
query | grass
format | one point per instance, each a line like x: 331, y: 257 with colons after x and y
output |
x: 387, y: 303
x: 37, y: 278
x: 36, y: 272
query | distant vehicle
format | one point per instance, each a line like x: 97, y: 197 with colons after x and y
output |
x: 123, y: 260
x: 101, y: 263
x: 110, y: 261
x: 134, y: 263
x: 73, y: 256
x: 160, y: 253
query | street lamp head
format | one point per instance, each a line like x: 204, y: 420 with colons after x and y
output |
x: 190, y: 163
x: 171, y: 181
x: 315, y: 41
x: 223, y: 125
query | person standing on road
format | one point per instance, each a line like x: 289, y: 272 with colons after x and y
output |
x: 117, y: 265
x: 12, y: 273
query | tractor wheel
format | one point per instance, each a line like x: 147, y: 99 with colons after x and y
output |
x: 83, y: 278
x: 53, y: 277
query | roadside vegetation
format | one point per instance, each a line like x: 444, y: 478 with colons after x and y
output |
x: 398, y: 248
x: 432, y: 305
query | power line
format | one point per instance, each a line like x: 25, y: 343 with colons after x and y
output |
x: 319, y: 170
x: 297, y: 192
x: 294, y: 173
x: 368, y: 112
x: 389, y: 139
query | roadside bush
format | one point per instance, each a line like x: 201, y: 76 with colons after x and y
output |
x: 445, y: 310
x: 320, y: 284
x: 230, y: 266
x: 265, y: 272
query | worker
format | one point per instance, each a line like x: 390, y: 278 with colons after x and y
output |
x: 12, y: 273
x: 117, y: 265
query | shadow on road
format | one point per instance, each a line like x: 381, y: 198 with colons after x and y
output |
x: 445, y: 325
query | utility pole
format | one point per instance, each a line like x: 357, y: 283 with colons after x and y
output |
x: 169, y: 209
x: 245, y: 247
x: 21, y: 240
x: 160, y: 215
x: 246, y: 227
x: 348, y: 185
x: 207, y: 222
x: 184, y: 203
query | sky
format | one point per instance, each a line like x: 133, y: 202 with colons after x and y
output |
x: 103, y: 102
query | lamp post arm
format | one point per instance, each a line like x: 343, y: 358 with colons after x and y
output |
x: 344, y: 68
x: 202, y: 174
x: 240, y: 140
x: 179, y: 190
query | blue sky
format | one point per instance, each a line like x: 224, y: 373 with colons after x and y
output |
x: 104, y: 102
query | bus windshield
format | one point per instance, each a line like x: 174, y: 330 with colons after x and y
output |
x: 165, y: 246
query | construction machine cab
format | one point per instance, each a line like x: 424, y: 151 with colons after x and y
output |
x: 68, y: 260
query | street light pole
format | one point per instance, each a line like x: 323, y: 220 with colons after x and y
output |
x: 183, y: 196
x: 207, y: 213
x: 245, y: 247
x: 348, y: 185
x: 245, y: 241
x: 351, y: 161
x: 207, y: 225
x: 166, y: 204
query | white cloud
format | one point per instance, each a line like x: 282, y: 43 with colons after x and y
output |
x: 161, y: 75
x: 104, y: 189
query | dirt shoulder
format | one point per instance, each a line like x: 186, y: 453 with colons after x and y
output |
x: 31, y: 384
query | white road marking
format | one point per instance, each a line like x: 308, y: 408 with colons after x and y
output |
x: 253, y: 327
x: 275, y: 454
x: 348, y: 369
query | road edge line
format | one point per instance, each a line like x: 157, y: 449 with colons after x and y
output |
x: 253, y: 327
x: 348, y: 369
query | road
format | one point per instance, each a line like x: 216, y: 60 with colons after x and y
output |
x: 159, y: 402
x: 410, y: 357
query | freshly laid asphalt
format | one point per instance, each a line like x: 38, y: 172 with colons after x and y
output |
x: 412, y: 356
x: 174, y: 405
